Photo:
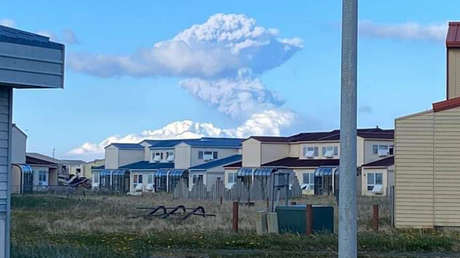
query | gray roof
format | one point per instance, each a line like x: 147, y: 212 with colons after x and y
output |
x: 72, y: 162
x: 16, y: 36
x: 148, y: 165
x: 126, y: 146
x: 42, y: 157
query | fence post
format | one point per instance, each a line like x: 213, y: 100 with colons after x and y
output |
x: 221, y: 200
x: 235, y: 216
x: 375, y: 217
x: 309, y: 222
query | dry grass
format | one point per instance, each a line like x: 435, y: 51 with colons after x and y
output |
x: 113, y: 214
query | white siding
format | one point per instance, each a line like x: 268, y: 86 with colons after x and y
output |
x: 111, y: 157
x: 182, y: 158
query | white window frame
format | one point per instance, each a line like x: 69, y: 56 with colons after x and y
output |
x: 310, y: 151
x: 328, y: 151
x: 374, y: 181
x: 136, y: 180
x: 311, y: 180
x: 233, y: 177
x: 208, y: 155
x: 381, y: 150
x: 157, y: 156
x: 170, y: 156
x: 43, y: 173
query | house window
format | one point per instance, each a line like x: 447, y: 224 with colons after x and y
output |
x: 197, y: 178
x: 170, y: 156
x: 391, y: 150
x: 150, y: 179
x: 200, y: 155
x: 382, y: 149
x: 310, y: 152
x: 308, y: 180
x: 137, y: 180
x: 158, y: 156
x: 336, y: 150
x: 42, y: 177
x: 231, y: 179
x: 374, y: 179
x: 208, y: 155
x: 328, y: 151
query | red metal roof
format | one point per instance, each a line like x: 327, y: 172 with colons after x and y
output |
x: 453, y: 35
x: 446, y: 104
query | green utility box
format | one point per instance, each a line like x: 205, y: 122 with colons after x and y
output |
x: 292, y: 219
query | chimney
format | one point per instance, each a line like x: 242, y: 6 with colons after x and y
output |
x: 453, y: 60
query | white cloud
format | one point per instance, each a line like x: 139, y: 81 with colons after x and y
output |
x: 220, y: 47
x: 405, y: 31
x: 269, y: 122
x: 7, y: 22
x: 237, y: 97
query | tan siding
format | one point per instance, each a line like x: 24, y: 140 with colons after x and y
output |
x: 447, y: 167
x: 453, y: 81
x: 251, y: 153
x: 274, y: 151
x: 414, y: 171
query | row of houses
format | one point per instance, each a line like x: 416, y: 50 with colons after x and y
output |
x: 35, y: 172
x: 157, y: 165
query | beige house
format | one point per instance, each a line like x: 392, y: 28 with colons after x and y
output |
x: 157, y: 165
x: 427, y: 155
x: 87, y: 167
x: 314, y: 157
x: 377, y: 176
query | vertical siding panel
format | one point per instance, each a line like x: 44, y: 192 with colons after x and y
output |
x: 447, y: 167
x: 413, y: 166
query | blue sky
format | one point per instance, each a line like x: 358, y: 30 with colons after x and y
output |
x: 120, y: 86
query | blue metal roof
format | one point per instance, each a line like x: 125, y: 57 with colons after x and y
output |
x: 16, y: 36
x: 127, y: 146
x: 110, y: 172
x: 98, y: 167
x: 201, y: 142
x: 218, y: 162
x: 25, y: 168
x: 148, y: 165
x: 163, y: 171
x: 263, y: 171
x: 164, y: 143
x: 245, y: 172
x: 216, y: 142
x: 325, y: 171
x: 177, y: 172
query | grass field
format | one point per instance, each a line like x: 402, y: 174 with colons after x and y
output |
x: 103, y: 226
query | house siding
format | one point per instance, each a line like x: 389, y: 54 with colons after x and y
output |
x: 126, y: 157
x: 251, y: 153
x: 18, y: 146
x: 182, y: 156
x: 274, y: 151
x: 447, y: 167
x: 111, y: 157
x: 453, y: 80
x: 221, y: 153
x: 368, y: 154
x: 414, y: 171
